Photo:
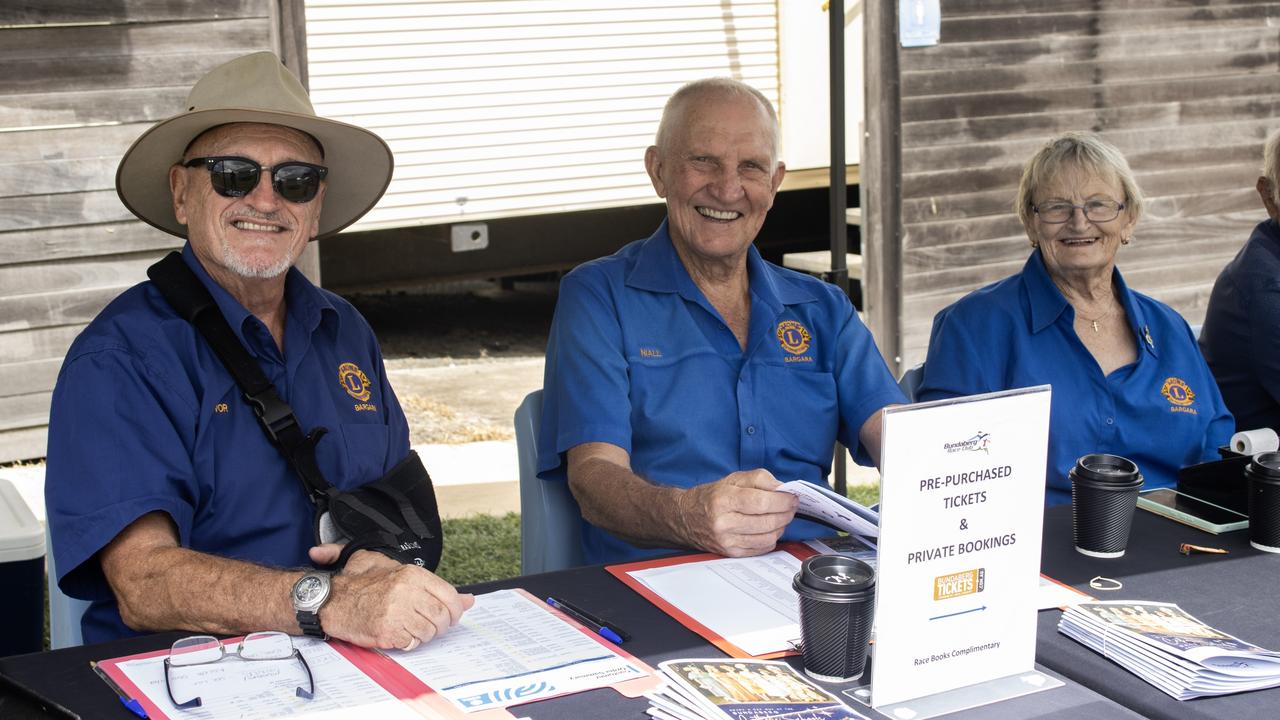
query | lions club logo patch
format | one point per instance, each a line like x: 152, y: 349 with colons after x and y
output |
x: 354, y: 381
x: 1176, y: 391
x: 793, y: 337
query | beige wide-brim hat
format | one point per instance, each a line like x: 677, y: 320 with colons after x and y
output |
x: 255, y: 88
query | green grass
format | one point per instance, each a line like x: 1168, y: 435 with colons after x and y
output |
x: 481, y: 548
x: 864, y: 494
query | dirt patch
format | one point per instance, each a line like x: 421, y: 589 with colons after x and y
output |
x: 460, y: 322
x: 461, y: 357
x: 435, y: 422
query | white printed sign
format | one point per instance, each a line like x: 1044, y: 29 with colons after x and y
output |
x: 961, y: 508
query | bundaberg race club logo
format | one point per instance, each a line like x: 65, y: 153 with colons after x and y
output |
x: 793, y: 337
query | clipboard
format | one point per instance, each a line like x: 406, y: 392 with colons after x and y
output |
x: 400, y: 683
x: 623, y: 572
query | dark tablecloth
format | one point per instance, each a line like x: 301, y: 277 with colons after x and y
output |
x: 1237, y: 593
x: 64, y: 676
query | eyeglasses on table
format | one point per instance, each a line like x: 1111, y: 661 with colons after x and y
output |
x: 255, y: 647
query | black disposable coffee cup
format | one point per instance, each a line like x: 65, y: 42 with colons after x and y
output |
x: 1104, y: 494
x: 1263, y: 473
x: 837, y: 595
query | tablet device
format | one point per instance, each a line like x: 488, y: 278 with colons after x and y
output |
x: 1192, y: 511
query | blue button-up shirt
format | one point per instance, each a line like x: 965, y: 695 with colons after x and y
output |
x: 1163, y: 412
x: 639, y: 358
x: 146, y: 419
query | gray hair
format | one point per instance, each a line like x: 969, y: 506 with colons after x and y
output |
x: 1082, y: 150
x: 1271, y: 164
x: 674, y: 111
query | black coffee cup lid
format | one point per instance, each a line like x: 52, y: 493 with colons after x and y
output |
x: 1104, y: 467
x: 1266, y: 464
x: 836, y: 574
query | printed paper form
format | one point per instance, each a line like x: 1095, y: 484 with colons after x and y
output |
x: 765, y: 617
x: 232, y: 688
x: 827, y: 505
x: 509, y: 649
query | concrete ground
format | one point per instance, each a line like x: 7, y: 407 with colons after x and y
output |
x: 478, y: 477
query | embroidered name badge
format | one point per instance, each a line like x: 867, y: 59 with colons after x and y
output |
x: 650, y: 352
x: 356, y: 383
x: 1176, y: 391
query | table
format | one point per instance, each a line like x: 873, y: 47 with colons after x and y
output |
x: 1238, y: 593
x: 64, y: 675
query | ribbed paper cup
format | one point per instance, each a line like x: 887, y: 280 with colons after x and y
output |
x: 837, y: 595
x: 1104, y: 494
x: 1263, y: 473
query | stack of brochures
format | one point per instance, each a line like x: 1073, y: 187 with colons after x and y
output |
x: 1162, y: 644
x: 729, y: 689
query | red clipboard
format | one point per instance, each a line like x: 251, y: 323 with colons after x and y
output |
x: 622, y: 572
x: 399, y: 682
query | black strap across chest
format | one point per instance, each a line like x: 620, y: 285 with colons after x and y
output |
x: 191, y: 299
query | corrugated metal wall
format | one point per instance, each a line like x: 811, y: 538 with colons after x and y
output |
x: 507, y: 107
x: 1188, y: 90
x: 79, y: 81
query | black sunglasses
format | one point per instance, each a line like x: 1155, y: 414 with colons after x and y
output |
x: 237, y: 176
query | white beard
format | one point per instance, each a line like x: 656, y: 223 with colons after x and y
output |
x: 243, y: 267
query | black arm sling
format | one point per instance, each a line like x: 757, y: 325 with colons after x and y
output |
x: 396, y: 514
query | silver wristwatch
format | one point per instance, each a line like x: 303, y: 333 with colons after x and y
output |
x: 310, y: 594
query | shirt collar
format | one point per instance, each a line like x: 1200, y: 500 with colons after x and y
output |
x: 1048, y: 303
x: 658, y: 268
x: 305, y: 303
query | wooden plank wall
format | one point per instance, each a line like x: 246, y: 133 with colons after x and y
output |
x: 79, y: 81
x: 1187, y: 89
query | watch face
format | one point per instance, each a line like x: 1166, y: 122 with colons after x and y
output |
x: 307, y: 589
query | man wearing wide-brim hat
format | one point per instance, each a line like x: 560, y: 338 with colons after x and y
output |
x: 168, y: 506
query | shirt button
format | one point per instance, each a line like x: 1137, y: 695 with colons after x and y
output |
x: 1111, y: 421
x: 751, y: 429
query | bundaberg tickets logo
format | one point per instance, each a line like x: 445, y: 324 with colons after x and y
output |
x: 354, y: 381
x: 793, y: 337
x: 959, y: 584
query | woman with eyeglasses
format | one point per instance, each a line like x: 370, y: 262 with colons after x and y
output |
x: 1127, y: 376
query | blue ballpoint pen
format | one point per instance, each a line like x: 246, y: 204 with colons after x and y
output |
x: 129, y: 703
x: 592, y: 623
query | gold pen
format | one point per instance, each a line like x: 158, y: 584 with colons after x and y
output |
x: 1188, y: 548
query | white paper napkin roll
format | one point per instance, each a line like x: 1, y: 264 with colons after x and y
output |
x: 1250, y: 442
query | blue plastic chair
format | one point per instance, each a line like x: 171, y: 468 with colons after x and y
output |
x: 910, y: 382
x: 64, y: 612
x: 550, y: 520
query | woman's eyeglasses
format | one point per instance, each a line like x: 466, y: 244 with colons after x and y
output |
x: 206, y: 650
x: 1056, y: 212
x: 234, y: 176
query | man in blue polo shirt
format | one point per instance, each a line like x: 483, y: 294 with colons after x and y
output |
x: 168, y: 507
x: 1241, y: 335
x: 686, y: 377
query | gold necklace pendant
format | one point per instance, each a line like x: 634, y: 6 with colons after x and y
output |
x: 1093, y: 322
